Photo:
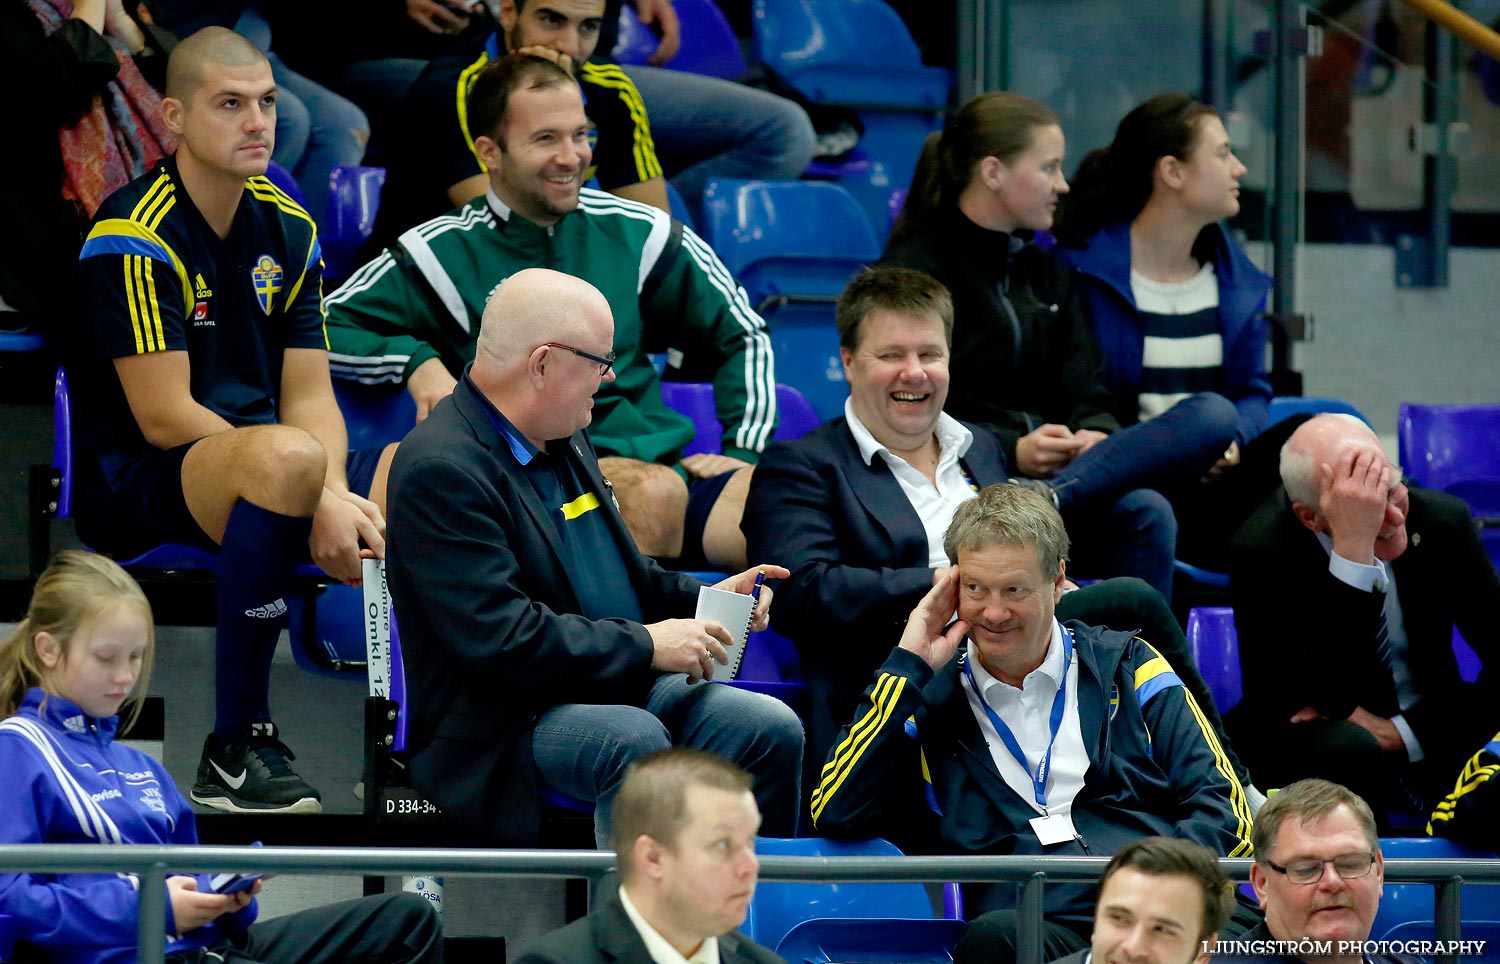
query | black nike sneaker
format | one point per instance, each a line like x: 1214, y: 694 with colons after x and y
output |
x: 251, y: 773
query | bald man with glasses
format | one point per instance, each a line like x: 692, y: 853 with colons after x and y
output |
x: 545, y: 652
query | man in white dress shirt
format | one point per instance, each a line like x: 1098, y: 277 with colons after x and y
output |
x: 683, y: 825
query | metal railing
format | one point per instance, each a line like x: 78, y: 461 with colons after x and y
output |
x: 1033, y: 873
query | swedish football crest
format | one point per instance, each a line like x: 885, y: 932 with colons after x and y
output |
x: 266, y: 276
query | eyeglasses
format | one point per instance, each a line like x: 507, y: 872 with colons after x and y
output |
x: 605, y: 362
x: 1310, y: 870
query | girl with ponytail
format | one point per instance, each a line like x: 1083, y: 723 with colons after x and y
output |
x: 1175, y: 304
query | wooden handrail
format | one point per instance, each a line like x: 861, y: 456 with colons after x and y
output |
x: 1465, y: 27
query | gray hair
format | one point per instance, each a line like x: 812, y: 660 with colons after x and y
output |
x: 1307, y: 801
x: 1009, y: 515
x: 1299, y: 470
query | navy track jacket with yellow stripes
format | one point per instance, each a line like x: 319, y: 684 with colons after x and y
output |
x: 914, y: 768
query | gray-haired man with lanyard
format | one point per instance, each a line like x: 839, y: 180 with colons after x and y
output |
x: 1005, y: 731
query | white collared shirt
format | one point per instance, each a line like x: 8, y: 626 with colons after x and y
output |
x: 1027, y: 712
x: 1382, y: 579
x: 659, y: 948
x: 935, y: 504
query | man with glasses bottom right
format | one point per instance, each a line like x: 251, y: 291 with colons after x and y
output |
x: 1318, y: 875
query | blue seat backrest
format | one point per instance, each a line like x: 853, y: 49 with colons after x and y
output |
x: 708, y: 46
x: 1285, y: 406
x: 1411, y: 904
x: 374, y: 415
x: 696, y: 400
x: 283, y: 179
x: 353, y: 201
x: 847, y: 52
x: 778, y: 907
x: 788, y: 237
x: 7, y: 937
x: 1215, y: 646
x: 1441, y: 445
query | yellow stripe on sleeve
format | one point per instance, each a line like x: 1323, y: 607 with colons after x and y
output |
x: 1151, y: 669
x: 887, y: 693
x: 132, y: 303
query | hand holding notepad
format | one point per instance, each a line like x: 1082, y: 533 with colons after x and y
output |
x: 734, y: 611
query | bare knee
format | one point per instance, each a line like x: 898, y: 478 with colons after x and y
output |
x: 280, y: 468
x: 653, y: 502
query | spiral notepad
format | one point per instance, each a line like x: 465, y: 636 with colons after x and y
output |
x: 734, y: 611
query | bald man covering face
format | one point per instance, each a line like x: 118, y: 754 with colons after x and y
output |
x: 546, y: 651
x: 1347, y: 587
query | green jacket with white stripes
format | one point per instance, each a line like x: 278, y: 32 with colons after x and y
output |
x: 423, y: 298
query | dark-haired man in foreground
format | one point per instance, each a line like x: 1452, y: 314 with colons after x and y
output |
x: 1161, y: 901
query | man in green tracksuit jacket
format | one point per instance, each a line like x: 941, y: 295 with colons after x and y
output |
x: 411, y: 316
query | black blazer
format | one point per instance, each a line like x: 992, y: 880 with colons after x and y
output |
x: 858, y: 556
x: 1308, y: 639
x: 490, y: 628
x: 607, y: 936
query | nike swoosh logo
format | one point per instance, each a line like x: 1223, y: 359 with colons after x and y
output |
x: 234, y: 782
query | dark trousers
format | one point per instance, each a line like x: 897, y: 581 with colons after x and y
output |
x: 388, y: 929
x: 1279, y: 753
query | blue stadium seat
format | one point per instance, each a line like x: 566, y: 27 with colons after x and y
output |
x: 1406, y: 910
x: 858, y: 53
x: 7, y: 937
x: 20, y: 341
x: 1189, y: 576
x: 801, y: 913
x: 283, y: 179
x: 1285, y: 406
x: 709, y: 45
x: 374, y: 415
x: 353, y: 200
x: 696, y: 401
x: 872, y: 941
x: 1215, y: 646
x: 1446, y: 445
x: 793, y: 246
x: 854, y: 52
x: 1456, y: 449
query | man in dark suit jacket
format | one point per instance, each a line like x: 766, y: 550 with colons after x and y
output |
x: 684, y: 838
x: 862, y: 533
x: 1347, y: 589
x: 541, y: 648
x: 1318, y: 874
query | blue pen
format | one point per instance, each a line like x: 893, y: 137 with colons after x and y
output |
x: 760, y: 580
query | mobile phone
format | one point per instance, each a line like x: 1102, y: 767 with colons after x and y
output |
x: 232, y: 883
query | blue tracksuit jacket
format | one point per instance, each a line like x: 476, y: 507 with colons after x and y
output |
x: 64, y: 780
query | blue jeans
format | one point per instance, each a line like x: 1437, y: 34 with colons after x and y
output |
x: 315, y: 128
x: 1112, y: 495
x: 582, y: 750
x: 704, y: 127
x: 1175, y: 448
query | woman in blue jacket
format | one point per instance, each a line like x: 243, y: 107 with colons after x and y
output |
x: 83, y: 650
x: 1174, y: 303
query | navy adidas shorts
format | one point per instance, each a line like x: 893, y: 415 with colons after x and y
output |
x: 130, y: 503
